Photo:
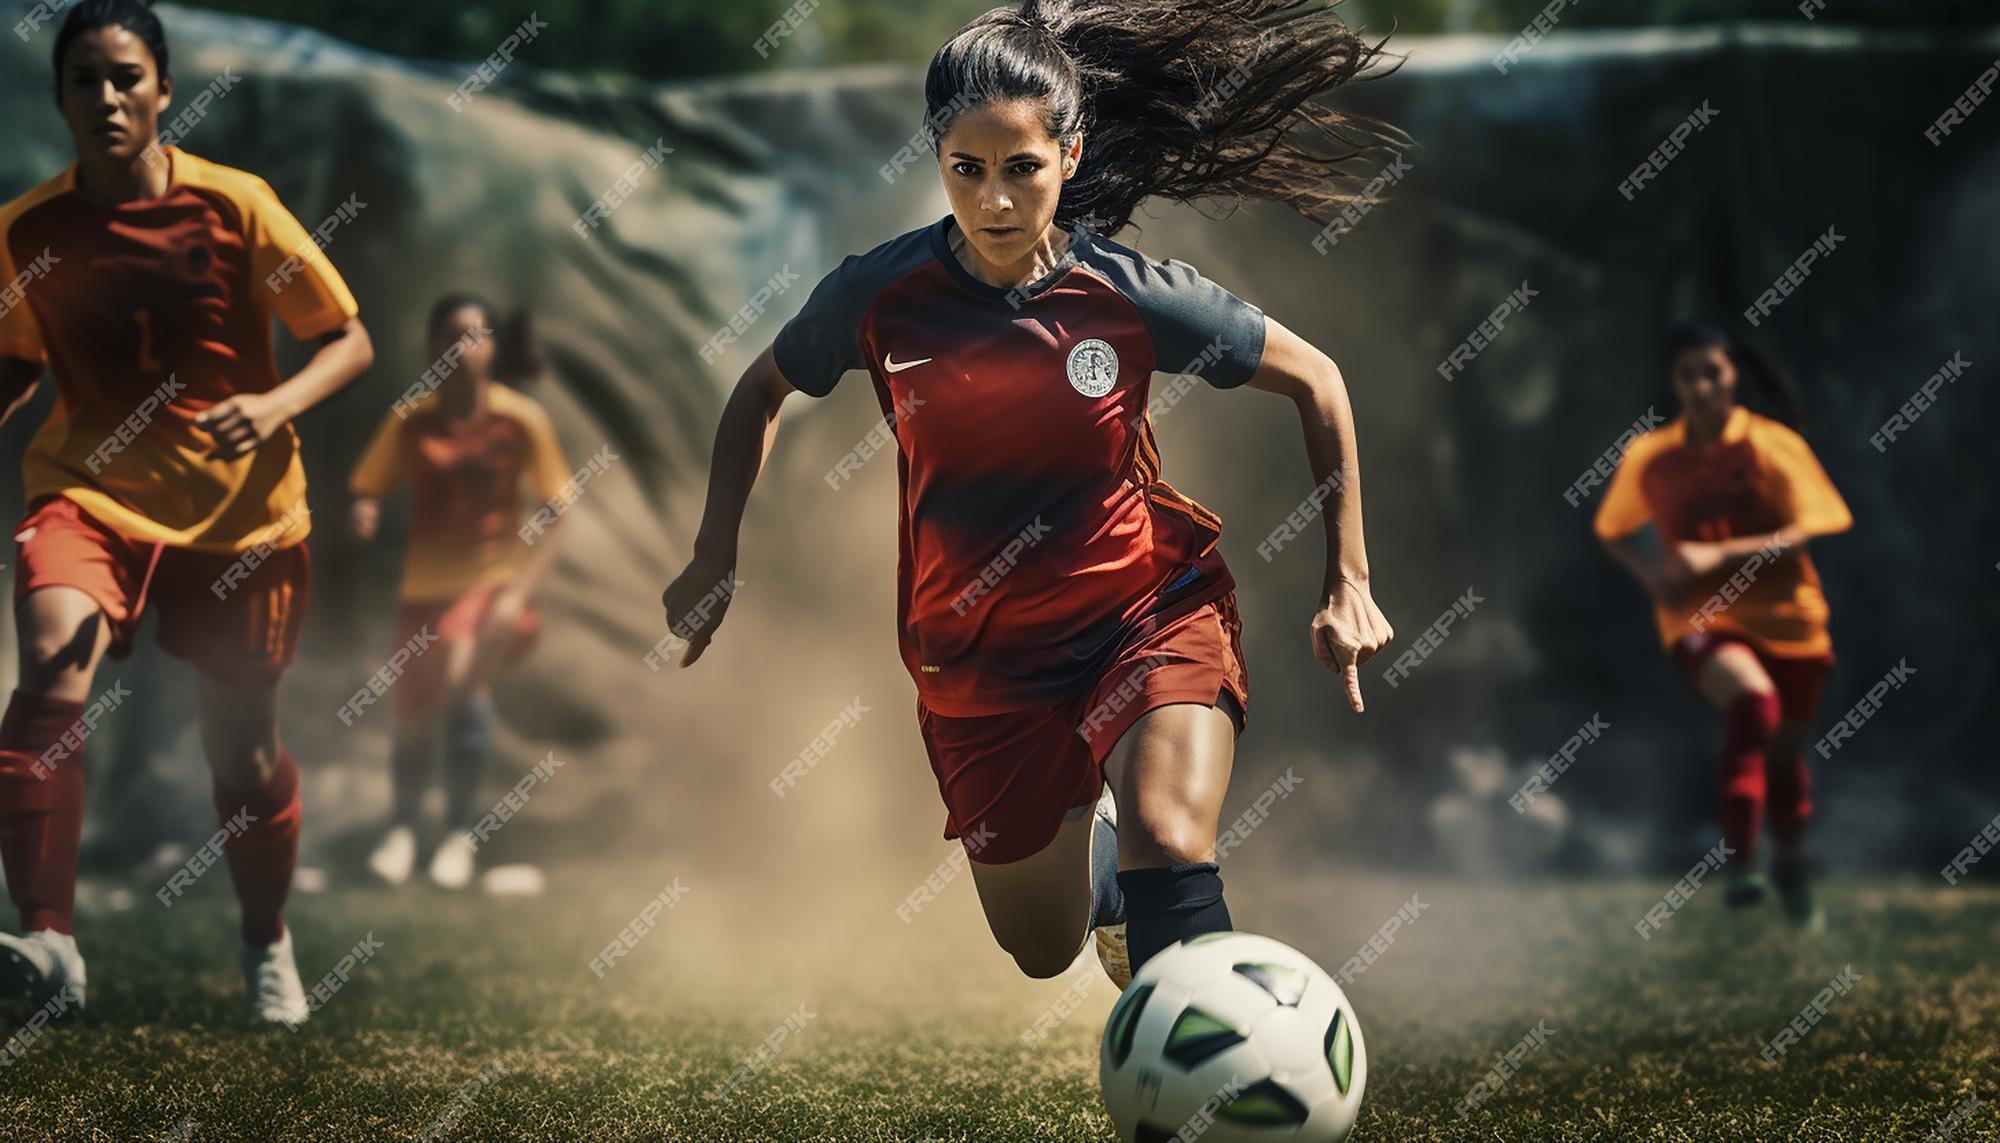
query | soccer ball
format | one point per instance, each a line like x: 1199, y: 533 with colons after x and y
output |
x: 1232, y: 1038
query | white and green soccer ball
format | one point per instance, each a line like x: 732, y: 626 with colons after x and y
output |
x: 1232, y: 1038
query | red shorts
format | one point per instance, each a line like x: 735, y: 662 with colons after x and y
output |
x: 1799, y: 682
x: 1010, y: 779
x: 235, y: 615
x: 425, y: 685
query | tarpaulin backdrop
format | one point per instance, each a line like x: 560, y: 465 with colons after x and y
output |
x: 1516, y: 180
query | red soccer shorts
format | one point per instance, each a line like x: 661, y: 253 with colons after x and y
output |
x: 235, y: 615
x: 1799, y: 682
x: 426, y: 683
x: 1008, y: 780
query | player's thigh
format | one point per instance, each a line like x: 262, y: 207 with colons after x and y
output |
x: 1039, y: 907
x: 478, y: 648
x: 1729, y: 673
x: 238, y: 716
x: 62, y: 634
x: 1169, y: 774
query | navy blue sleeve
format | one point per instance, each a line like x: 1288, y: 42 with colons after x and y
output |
x: 1197, y: 326
x: 818, y: 345
x: 823, y: 341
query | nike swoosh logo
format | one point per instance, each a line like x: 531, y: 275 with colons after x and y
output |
x: 890, y: 363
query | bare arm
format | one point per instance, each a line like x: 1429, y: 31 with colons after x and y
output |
x: 247, y: 420
x: 1787, y: 540
x: 514, y: 598
x: 541, y: 557
x: 1348, y: 628
x: 1666, y: 571
x: 697, y: 598
x: 1639, y: 552
x: 17, y: 384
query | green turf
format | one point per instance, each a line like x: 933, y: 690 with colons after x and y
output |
x: 915, y: 1030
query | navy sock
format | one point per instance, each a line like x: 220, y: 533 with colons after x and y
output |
x: 410, y: 776
x: 1166, y: 906
x: 1107, y: 900
x: 468, y: 750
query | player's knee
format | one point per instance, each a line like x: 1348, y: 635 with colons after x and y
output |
x: 1173, y: 836
x: 245, y: 764
x: 47, y: 654
x: 1755, y: 715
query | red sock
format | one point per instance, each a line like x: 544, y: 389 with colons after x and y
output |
x: 1751, y: 721
x: 1790, y: 802
x: 41, y: 809
x: 263, y: 851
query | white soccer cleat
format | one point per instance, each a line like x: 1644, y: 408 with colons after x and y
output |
x: 396, y: 856
x: 271, y: 976
x: 1110, y: 939
x: 42, y: 966
x: 452, y: 864
x: 1114, y: 956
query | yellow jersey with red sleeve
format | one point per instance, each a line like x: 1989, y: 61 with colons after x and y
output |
x: 1757, y: 477
x: 466, y: 478
x: 147, y: 313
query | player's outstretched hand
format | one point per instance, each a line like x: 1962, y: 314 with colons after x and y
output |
x: 696, y: 602
x: 1347, y: 632
x: 241, y: 423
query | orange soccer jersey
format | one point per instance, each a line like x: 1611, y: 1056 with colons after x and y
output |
x: 148, y: 313
x: 465, y: 487
x: 1758, y: 477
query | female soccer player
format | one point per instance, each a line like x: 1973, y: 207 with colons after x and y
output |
x: 470, y: 576
x: 1711, y: 514
x: 1065, y: 614
x: 167, y: 477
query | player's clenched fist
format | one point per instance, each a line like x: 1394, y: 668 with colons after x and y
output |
x: 695, y: 604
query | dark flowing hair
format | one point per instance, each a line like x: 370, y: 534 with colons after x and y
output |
x: 1186, y: 100
x: 135, y: 16
x: 517, y: 358
x: 1761, y: 383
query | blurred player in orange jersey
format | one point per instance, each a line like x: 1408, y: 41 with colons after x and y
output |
x: 168, y: 477
x: 1712, y: 514
x: 470, y: 577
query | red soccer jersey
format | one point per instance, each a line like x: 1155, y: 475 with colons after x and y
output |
x: 1035, y: 528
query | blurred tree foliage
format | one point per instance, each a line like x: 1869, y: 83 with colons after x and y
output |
x: 681, y: 39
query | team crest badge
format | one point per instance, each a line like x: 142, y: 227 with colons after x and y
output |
x: 1093, y: 367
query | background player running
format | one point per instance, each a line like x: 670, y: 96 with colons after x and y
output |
x: 1065, y: 613
x: 469, y: 578
x: 162, y: 274
x: 1712, y: 513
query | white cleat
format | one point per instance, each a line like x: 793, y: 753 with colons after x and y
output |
x: 271, y: 976
x: 1110, y: 939
x: 1113, y: 955
x: 43, y: 968
x: 452, y: 864
x: 396, y: 856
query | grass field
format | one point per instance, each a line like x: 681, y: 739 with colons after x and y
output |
x: 915, y: 1031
